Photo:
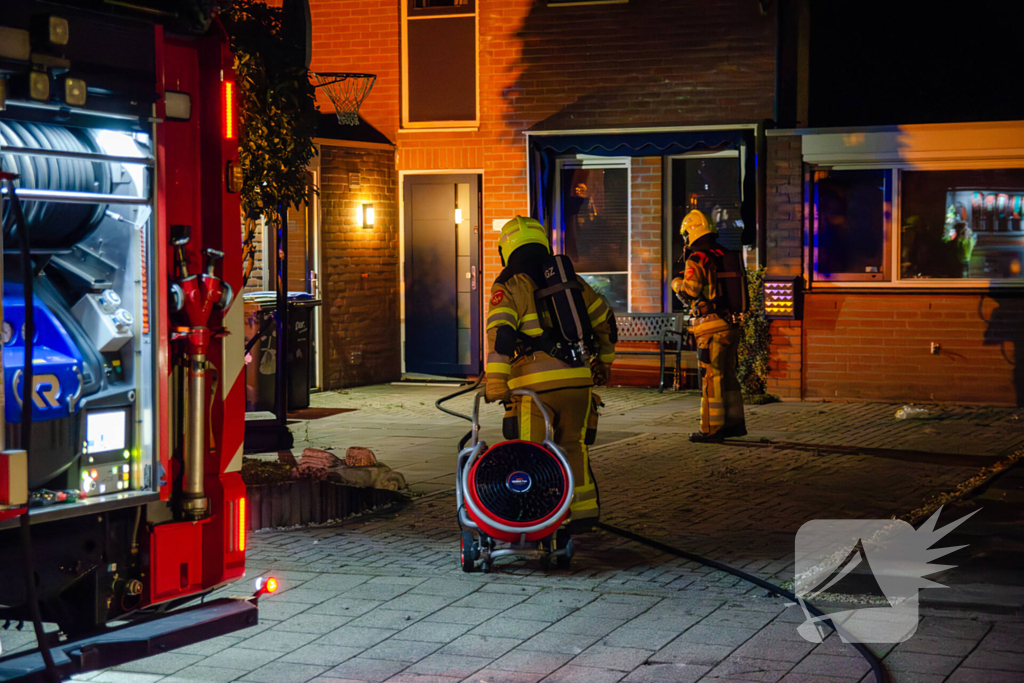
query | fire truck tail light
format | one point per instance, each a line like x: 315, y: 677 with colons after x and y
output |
x: 271, y: 585
x: 241, y: 524
x: 229, y: 110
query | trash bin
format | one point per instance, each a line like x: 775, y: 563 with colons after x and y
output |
x: 261, y: 361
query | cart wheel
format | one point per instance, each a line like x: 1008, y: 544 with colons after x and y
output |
x: 564, y: 541
x: 468, y: 556
x: 565, y: 560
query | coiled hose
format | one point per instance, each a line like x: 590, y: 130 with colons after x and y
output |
x: 54, y: 224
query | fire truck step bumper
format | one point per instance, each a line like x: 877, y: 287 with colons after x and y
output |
x: 135, y: 641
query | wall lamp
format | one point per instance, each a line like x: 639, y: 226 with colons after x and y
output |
x: 367, y: 216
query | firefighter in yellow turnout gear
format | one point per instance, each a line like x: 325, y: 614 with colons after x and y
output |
x: 523, y: 354
x: 716, y: 304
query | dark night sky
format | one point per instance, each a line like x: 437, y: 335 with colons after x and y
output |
x: 900, y: 61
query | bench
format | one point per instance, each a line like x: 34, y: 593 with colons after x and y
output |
x: 663, y: 328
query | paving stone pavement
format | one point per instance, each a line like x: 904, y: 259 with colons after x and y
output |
x: 382, y: 598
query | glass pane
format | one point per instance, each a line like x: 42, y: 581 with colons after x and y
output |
x: 711, y: 185
x: 614, y: 287
x: 962, y: 224
x: 595, y: 204
x: 851, y: 208
x: 465, y: 310
x: 465, y: 355
x: 463, y: 211
x: 462, y: 274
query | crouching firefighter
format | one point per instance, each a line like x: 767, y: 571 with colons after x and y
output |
x: 714, y: 283
x: 548, y: 331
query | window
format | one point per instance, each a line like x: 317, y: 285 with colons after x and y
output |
x: 709, y: 183
x: 850, y: 224
x: 962, y: 224
x: 439, y: 64
x: 593, y: 225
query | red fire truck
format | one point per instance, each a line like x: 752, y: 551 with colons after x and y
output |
x: 120, y: 492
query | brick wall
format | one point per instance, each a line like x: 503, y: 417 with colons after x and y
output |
x: 785, y: 258
x: 359, y: 268
x: 877, y: 346
x: 645, y: 248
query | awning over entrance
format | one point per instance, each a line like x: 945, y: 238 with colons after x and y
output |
x: 545, y: 149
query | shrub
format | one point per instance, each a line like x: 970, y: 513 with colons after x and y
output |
x: 755, y: 342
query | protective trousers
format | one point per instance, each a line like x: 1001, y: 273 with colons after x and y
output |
x: 721, y: 401
x: 570, y: 413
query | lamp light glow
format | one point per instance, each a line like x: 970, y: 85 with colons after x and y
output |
x: 367, y: 216
x: 229, y: 110
x: 458, y: 216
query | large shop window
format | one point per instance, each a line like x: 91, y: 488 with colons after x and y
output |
x: 593, y: 229
x: 711, y: 184
x: 962, y: 224
x: 439, y: 69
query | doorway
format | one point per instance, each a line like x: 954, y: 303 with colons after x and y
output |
x: 442, y: 291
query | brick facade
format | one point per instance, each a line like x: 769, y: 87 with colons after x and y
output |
x: 642, y: 63
x: 359, y: 268
x: 785, y: 258
x: 870, y: 346
x: 645, y: 236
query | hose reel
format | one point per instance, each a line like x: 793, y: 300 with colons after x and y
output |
x: 54, y: 225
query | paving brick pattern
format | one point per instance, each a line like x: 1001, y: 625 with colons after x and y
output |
x: 382, y: 598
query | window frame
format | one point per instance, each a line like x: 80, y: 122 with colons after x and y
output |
x: 811, y: 221
x: 893, y: 233
x: 437, y: 14
x: 587, y: 161
x: 668, y: 231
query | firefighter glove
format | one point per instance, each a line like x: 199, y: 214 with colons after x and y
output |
x: 602, y: 373
x: 497, y: 390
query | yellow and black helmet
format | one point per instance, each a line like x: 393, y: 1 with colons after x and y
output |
x: 520, y: 231
x: 696, y: 225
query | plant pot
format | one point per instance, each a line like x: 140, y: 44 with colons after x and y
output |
x: 302, y: 502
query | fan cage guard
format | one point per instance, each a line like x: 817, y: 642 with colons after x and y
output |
x: 486, y: 482
x: 347, y: 92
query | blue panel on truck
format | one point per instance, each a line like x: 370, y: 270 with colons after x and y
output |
x: 56, y: 362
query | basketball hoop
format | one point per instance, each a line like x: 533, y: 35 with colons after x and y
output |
x: 347, y: 91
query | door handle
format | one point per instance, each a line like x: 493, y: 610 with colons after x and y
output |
x: 472, y: 278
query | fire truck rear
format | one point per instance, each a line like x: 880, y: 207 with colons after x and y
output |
x: 123, y: 403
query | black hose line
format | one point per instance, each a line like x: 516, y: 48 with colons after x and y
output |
x: 27, y: 392
x: 460, y: 392
x: 465, y: 390
x: 876, y: 666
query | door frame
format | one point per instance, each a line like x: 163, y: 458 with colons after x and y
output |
x: 479, y: 172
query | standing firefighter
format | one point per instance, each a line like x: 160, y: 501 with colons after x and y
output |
x: 714, y: 283
x: 548, y: 331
